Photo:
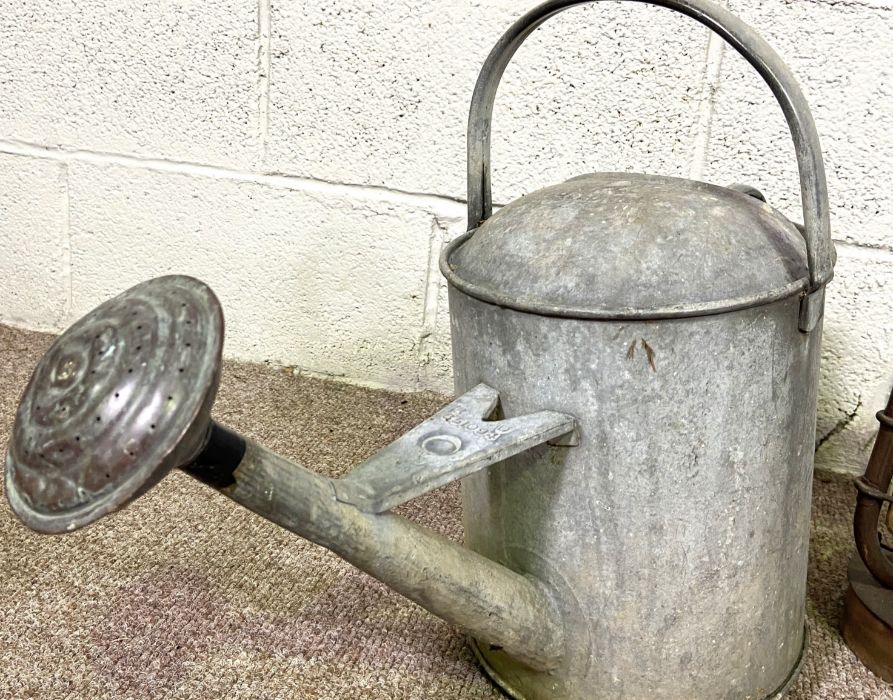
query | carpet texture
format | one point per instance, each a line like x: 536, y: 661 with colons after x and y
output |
x: 186, y: 595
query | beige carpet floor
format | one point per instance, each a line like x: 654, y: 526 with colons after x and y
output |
x: 186, y: 595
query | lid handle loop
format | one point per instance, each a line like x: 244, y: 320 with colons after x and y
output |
x: 813, y: 188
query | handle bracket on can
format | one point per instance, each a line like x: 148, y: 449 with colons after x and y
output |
x: 455, y: 442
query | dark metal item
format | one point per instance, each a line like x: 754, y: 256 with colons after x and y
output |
x: 867, y: 624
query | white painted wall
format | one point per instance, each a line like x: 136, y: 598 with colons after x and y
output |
x: 307, y: 160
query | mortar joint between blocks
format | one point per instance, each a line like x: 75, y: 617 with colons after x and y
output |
x: 437, y: 204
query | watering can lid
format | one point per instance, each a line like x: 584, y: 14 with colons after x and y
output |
x: 621, y: 246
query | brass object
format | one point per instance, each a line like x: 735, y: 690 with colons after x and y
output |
x: 867, y: 623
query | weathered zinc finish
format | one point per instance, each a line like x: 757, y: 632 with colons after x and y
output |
x: 680, y: 324
x: 676, y: 533
x: 640, y: 494
x: 628, y: 245
x: 124, y: 395
x: 103, y: 415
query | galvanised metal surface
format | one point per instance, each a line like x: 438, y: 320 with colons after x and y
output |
x: 675, y: 535
x: 680, y: 324
x: 109, y: 409
x: 635, y: 433
x: 457, y: 441
x: 626, y: 245
x: 816, y: 228
x: 124, y: 395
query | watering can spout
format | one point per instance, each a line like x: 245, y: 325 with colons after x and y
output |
x: 124, y: 396
x: 491, y: 602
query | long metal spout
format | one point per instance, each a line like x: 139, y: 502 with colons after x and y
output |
x: 489, y: 601
x: 125, y: 395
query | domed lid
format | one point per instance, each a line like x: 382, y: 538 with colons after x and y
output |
x: 618, y: 245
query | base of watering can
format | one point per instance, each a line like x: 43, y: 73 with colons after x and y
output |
x: 507, y: 688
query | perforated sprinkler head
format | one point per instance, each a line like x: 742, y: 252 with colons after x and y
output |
x: 119, y: 399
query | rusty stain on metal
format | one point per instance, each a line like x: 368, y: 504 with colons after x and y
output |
x: 873, y: 488
x: 868, y: 634
x: 650, y: 354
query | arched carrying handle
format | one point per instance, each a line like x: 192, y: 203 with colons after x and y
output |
x: 814, y: 192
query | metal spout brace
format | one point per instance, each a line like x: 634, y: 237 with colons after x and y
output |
x: 453, y: 443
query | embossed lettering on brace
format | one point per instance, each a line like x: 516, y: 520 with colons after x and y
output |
x: 453, y: 443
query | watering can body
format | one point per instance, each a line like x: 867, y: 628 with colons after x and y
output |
x: 675, y: 535
x: 680, y: 324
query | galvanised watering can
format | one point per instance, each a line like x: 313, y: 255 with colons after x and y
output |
x: 636, y: 358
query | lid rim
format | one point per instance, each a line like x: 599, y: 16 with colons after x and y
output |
x: 490, y: 296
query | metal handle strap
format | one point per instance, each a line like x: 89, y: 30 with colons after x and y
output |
x: 814, y: 192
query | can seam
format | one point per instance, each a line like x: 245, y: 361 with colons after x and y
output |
x: 511, y: 692
x: 490, y: 296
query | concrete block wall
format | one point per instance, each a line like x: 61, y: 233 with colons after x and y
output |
x: 307, y: 160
